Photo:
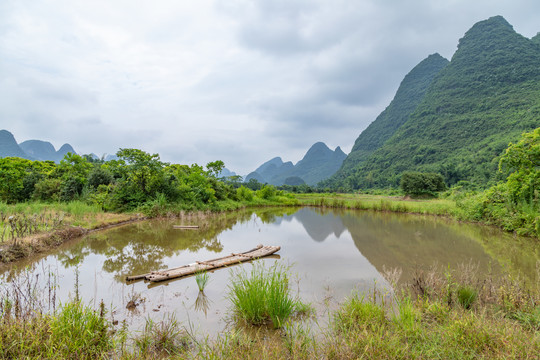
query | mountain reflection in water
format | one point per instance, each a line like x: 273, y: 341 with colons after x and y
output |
x: 330, y: 253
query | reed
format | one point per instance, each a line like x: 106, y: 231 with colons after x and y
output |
x: 202, y: 278
x: 263, y: 295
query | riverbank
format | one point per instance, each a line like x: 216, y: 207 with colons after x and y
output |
x: 31, y: 228
x: 439, y: 314
x: 27, y: 229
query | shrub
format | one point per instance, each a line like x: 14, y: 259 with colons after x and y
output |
x: 243, y: 193
x: 267, y: 192
x: 416, y: 183
x: 47, y: 190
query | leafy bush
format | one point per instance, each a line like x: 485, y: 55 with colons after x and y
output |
x: 243, y: 193
x: 267, y: 192
x: 47, y: 190
x: 416, y: 183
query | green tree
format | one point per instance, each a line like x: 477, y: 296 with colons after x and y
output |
x: 416, y: 183
x: 141, y: 167
x: 522, y: 160
x: 215, y: 167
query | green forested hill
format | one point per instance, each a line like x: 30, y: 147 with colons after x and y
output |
x: 409, y: 94
x: 536, y: 38
x: 483, y: 99
x: 319, y: 163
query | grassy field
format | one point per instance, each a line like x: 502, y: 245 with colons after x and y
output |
x: 443, y: 207
x: 28, y: 228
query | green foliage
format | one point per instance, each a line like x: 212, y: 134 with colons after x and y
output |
x: 514, y: 204
x: 415, y: 183
x: 244, y: 193
x: 99, y: 176
x: 215, y: 167
x: 267, y: 192
x: 253, y: 184
x: 523, y: 160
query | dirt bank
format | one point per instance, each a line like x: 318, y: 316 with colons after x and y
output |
x: 35, y: 244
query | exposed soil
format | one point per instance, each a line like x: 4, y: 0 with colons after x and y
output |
x: 35, y: 244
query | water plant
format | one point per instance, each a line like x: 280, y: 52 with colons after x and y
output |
x: 202, y: 278
x: 466, y: 296
x: 263, y: 295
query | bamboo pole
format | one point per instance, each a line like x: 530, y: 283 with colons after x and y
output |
x: 189, y: 269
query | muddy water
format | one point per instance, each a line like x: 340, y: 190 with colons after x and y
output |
x: 330, y: 254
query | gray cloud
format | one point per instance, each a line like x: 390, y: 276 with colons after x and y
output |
x: 242, y: 80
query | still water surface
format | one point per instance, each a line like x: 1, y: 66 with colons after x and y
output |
x: 330, y: 252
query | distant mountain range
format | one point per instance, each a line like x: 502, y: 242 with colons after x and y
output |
x: 455, y: 118
x: 31, y: 149
x: 319, y: 163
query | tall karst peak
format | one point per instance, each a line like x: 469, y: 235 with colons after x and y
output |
x: 489, y: 36
x: 9, y: 146
x: 409, y: 94
x: 486, y: 97
x: 318, y: 149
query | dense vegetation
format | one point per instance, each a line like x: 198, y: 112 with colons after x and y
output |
x: 513, y: 204
x: 482, y: 100
x: 137, y: 180
x: 415, y: 183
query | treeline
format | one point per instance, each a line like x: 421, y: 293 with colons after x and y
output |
x: 136, y: 179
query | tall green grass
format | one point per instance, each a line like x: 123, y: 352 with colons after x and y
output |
x: 75, y: 331
x: 263, y: 295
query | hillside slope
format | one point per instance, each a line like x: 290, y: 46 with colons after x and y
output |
x: 410, y: 93
x: 483, y: 99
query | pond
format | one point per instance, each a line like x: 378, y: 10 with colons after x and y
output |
x: 330, y: 254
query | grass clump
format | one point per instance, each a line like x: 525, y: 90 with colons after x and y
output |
x: 202, y: 278
x: 161, y: 340
x: 357, y: 313
x: 466, y: 296
x: 263, y: 295
x: 74, y: 332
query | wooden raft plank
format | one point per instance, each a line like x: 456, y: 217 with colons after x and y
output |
x: 185, y: 226
x: 190, y: 269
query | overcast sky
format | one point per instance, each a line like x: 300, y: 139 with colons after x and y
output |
x: 237, y: 80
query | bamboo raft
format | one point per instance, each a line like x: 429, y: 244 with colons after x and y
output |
x: 185, y: 226
x: 190, y: 269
